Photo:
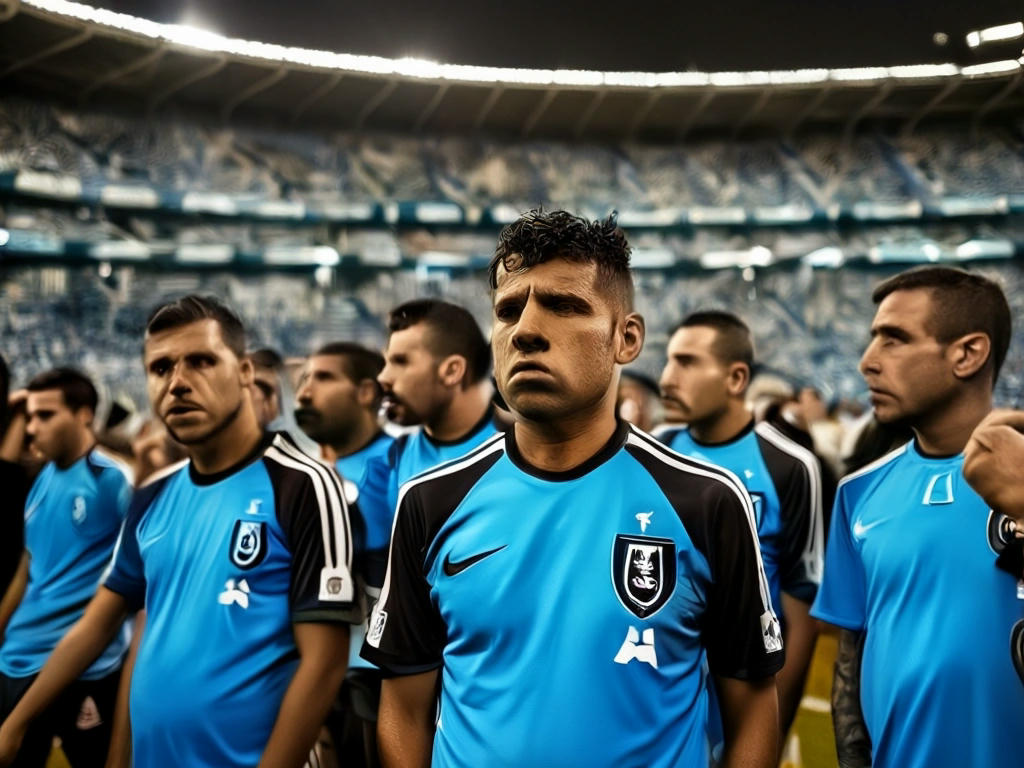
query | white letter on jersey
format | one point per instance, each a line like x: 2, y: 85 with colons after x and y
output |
x: 632, y: 649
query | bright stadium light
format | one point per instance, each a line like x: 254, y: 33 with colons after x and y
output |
x: 991, y: 68
x: 5, y: 237
x: 995, y: 34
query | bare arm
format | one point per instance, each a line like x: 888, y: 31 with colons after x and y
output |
x: 15, y: 591
x: 119, y: 754
x: 853, y: 744
x: 14, y: 438
x: 323, y: 652
x: 799, y: 638
x: 750, y: 721
x: 82, y: 644
x: 405, y: 723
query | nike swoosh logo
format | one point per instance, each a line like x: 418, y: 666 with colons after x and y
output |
x: 454, y: 568
x: 859, y: 529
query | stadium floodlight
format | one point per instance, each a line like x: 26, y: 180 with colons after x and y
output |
x: 914, y: 71
x: 859, y: 74
x: 995, y: 34
x: 991, y: 68
x: 798, y: 76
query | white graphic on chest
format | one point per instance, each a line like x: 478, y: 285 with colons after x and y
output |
x: 644, y: 518
x: 633, y: 648
x: 939, y: 490
x: 235, y: 594
x: 78, y: 510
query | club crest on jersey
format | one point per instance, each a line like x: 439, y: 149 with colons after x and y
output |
x: 248, y: 543
x: 643, y: 572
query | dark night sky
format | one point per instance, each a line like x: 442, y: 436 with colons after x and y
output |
x: 630, y: 35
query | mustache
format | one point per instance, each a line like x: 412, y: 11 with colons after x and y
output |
x: 307, y: 413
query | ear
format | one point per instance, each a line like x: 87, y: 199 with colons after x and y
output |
x: 970, y: 353
x: 245, y: 372
x: 366, y: 392
x: 629, y: 340
x: 84, y: 416
x: 738, y: 379
x: 452, y: 370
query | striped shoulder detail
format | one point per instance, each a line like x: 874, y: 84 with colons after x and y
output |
x: 665, y: 432
x: 335, y: 526
x: 486, y: 448
x: 677, y: 461
x: 876, y: 464
x: 167, y: 471
x: 102, y: 458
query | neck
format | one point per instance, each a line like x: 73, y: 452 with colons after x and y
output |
x: 355, y: 440
x: 564, y: 445
x: 230, y: 445
x: 724, y: 426
x: 82, y: 445
x: 946, y: 432
x: 462, y: 413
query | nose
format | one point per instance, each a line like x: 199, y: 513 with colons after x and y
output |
x: 384, y: 378
x: 869, y: 360
x: 179, y: 386
x: 528, y: 335
x: 303, y: 395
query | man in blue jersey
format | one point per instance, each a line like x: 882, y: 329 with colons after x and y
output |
x: 710, y: 358
x: 337, y: 403
x: 568, y: 585
x: 923, y: 677
x: 242, y: 558
x: 73, y: 515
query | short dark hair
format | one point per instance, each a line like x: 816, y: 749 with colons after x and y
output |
x: 267, y: 358
x: 969, y: 303
x: 539, y: 236
x: 191, y: 309
x: 733, y: 342
x: 77, y: 389
x: 358, y: 361
x: 453, y: 331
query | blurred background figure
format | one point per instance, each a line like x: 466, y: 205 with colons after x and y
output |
x: 639, y: 400
x: 267, y: 367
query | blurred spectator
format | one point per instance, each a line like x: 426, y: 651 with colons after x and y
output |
x: 639, y: 400
x: 267, y: 367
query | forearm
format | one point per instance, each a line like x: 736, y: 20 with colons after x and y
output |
x: 15, y: 591
x: 750, y: 720
x: 119, y: 754
x: 14, y: 438
x: 853, y: 744
x: 800, y: 635
x: 304, y: 708
x: 405, y: 725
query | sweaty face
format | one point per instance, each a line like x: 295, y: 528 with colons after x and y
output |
x: 906, y: 368
x: 413, y: 391
x: 553, y: 340
x: 694, y: 381
x: 54, y: 428
x: 265, y: 399
x: 195, y: 383
x: 327, y: 400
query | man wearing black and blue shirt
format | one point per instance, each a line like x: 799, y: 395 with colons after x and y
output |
x: 567, y: 585
x: 710, y: 358
x: 336, y: 405
x: 242, y: 557
x: 73, y: 514
x: 923, y: 673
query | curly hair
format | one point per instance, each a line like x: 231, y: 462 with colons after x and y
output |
x: 539, y: 236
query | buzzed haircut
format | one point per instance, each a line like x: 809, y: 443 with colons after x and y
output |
x: 452, y: 331
x: 75, y: 386
x: 733, y: 342
x: 267, y: 358
x: 539, y: 236
x: 962, y: 302
x: 358, y: 362
x: 193, y: 308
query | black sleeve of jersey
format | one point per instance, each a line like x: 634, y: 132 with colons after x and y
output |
x: 798, y: 484
x: 125, y: 574
x: 407, y: 634
x: 314, y: 515
x: 739, y: 628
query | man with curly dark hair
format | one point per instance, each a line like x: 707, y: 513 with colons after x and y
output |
x: 568, y: 584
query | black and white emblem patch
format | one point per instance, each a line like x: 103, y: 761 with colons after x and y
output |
x: 643, y: 572
x: 1002, y: 530
x: 248, y: 543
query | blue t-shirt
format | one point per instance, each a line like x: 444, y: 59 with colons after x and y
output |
x: 784, y: 483
x: 910, y: 562
x: 356, y: 468
x: 225, y: 564
x: 72, y: 519
x: 573, y: 615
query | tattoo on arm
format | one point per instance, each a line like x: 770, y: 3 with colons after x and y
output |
x: 853, y: 744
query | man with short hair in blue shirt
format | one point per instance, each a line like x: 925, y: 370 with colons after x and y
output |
x: 336, y: 405
x: 242, y: 557
x: 923, y: 674
x: 567, y: 585
x: 710, y: 359
x: 73, y: 515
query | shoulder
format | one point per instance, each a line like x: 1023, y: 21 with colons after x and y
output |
x: 105, y: 465
x: 147, y: 493
x: 781, y: 450
x: 666, y: 433
x: 449, y: 482
x: 293, y: 471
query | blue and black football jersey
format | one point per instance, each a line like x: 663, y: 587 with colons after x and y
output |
x: 910, y: 561
x: 72, y: 519
x: 573, y: 615
x: 224, y: 565
x: 784, y: 483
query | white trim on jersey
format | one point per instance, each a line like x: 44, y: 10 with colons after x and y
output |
x: 486, y: 448
x: 115, y: 462
x: 330, y: 500
x: 160, y: 474
x: 876, y: 464
x: 728, y: 479
x: 814, y: 549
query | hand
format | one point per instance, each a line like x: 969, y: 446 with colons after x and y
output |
x: 17, y: 401
x: 10, y: 742
x: 994, y: 462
